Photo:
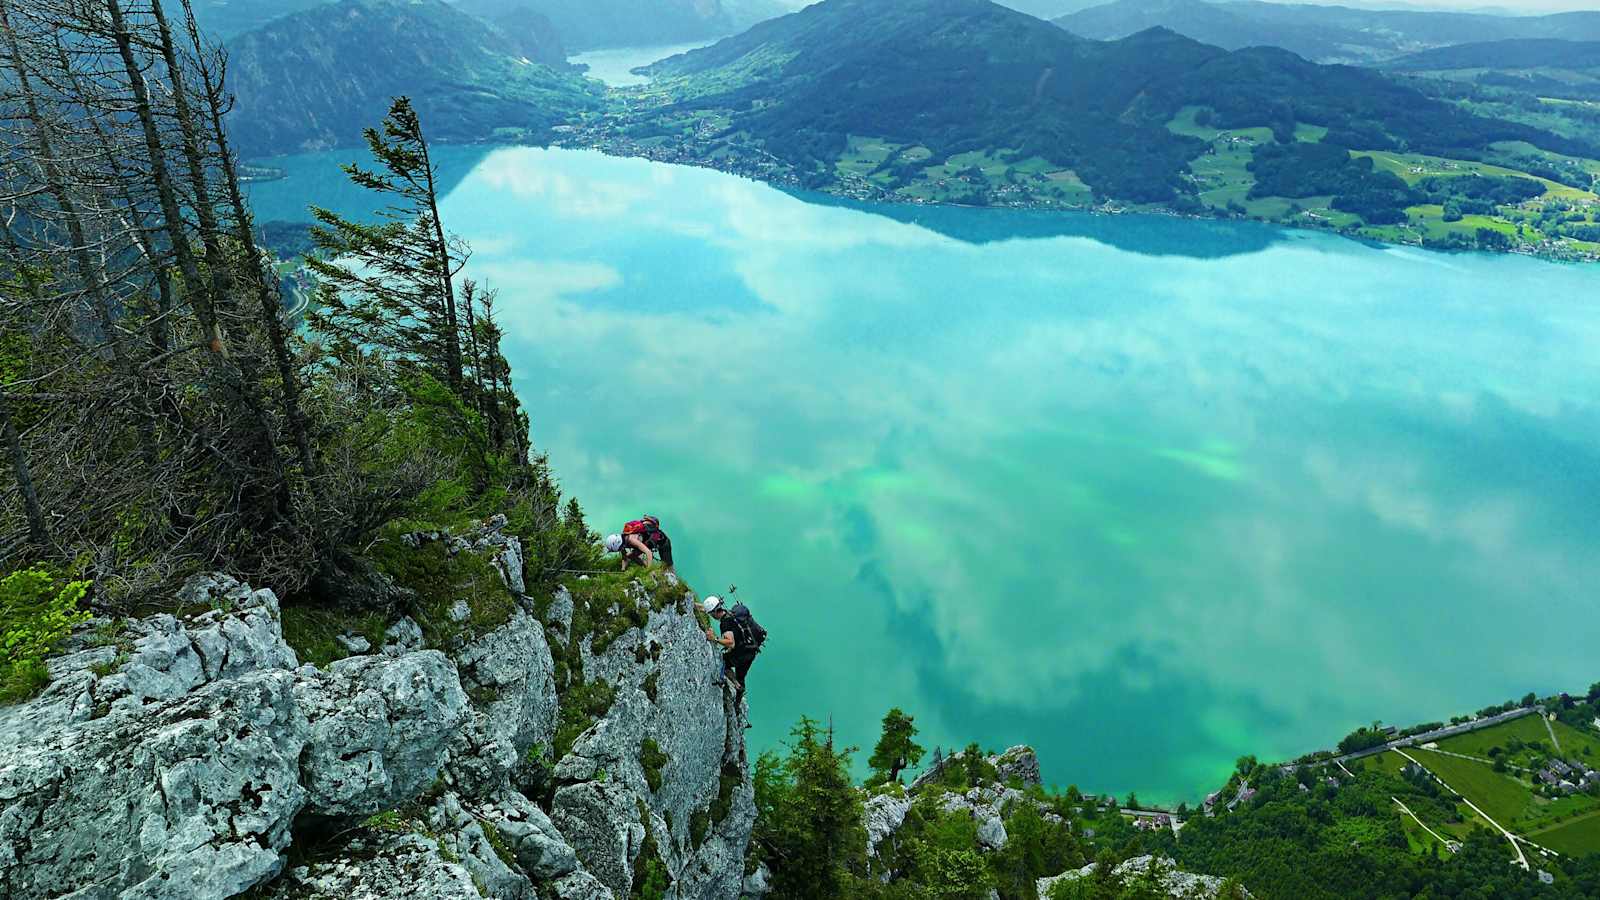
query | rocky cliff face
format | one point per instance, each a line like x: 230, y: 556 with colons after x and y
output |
x: 578, y: 749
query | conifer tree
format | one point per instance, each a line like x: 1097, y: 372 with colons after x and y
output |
x: 897, y: 749
x: 389, y: 286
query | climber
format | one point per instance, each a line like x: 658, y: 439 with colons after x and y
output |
x: 741, y: 638
x: 642, y: 541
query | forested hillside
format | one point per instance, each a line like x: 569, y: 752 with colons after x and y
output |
x: 975, y: 821
x: 313, y: 80
x: 942, y: 78
x: 1510, y: 54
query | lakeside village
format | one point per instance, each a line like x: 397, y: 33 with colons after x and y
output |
x: 632, y: 129
x: 1552, y: 773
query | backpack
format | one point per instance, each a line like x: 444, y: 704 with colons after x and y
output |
x: 642, y: 526
x: 748, y: 623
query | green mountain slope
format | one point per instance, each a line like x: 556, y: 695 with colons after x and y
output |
x: 944, y: 78
x: 1322, y: 33
x: 1533, y: 53
x: 315, y: 79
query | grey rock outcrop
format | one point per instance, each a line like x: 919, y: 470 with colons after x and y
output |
x: 540, y: 848
x: 193, y: 797
x: 379, y: 729
x: 757, y: 884
x: 885, y: 813
x: 510, y: 673
x: 701, y: 813
x: 988, y: 805
x: 1019, y: 763
x: 405, y: 865
x: 1174, y: 881
x: 177, y: 760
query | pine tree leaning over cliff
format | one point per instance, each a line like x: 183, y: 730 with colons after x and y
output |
x: 390, y: 286
x: 160, y: 416
x: 897, y: 749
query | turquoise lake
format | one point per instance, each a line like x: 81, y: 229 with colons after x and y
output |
x: 1148, y: 494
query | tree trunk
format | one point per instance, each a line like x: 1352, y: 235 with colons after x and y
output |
x: 38, y: 532
x: 267, y: 294
x: 265, y: 447
x: 442, y: 252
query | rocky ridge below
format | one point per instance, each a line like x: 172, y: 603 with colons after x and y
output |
x: 573, y: 745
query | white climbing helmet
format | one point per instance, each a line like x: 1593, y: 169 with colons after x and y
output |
x: 712, y: 604
x: 613, y: 543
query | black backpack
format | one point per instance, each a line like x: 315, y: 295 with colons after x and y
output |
x: 749, y: 625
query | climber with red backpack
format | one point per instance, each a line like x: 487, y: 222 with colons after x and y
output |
x: 742, y: 637
x: 641, y: 541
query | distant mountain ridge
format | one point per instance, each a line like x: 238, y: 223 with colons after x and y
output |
x: 965, y: 75
x: 1322, y: 33
x: 315, y: 79
x: 597, y: 24
x: 1513, y: 54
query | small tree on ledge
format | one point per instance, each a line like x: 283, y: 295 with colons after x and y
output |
x: 897, y: 749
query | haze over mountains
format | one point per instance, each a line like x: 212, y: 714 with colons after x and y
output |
x: 1322, y: 33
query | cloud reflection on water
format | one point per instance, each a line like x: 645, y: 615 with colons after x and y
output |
x: 1147, y: 512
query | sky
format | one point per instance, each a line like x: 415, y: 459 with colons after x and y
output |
x: 1520, y: 7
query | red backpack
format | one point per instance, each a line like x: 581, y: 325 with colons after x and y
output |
x: 647, y: 528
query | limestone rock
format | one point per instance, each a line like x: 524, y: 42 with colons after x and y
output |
x: 354, y: 643
x: 408, y: 866
x: 1019, y: 763
x: 600, y: 820
x: 510, y: 675
x: 404, y: 636
x: 559, y: 618
x: 171, y: 657
x: 757, y: 884
x: 538, y: 846
x: 1175, y: 882
x: 583, y: 886
x: 180, y: 773
x: 464, y: 836
x: 987, y: 805
x: 664, y: 676
x: 379, y: 729
x: 885, y: 813
x: 188, y: 798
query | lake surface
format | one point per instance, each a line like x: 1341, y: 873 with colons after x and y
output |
x: 1146, y: 493
x: 615, y: 66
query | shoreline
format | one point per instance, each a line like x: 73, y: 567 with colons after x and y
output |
x: 770, y: 170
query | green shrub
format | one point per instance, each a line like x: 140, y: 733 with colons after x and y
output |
x: 438, y: 579
x: 699, y: 827
x: 727, y: 783
x: 313, y: 632
x: 583, y: 704
x: 605, y: 607
x: 650, y: 878
x: 653, y: 760
x: 37, y: 611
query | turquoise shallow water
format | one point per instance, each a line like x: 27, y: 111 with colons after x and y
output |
x: 1148, y: 494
